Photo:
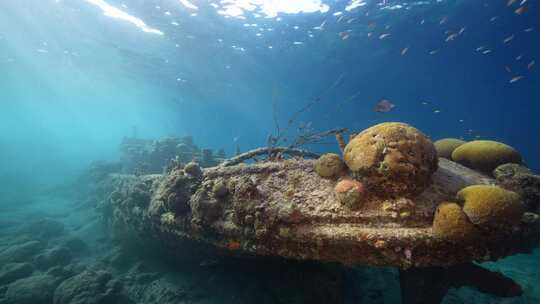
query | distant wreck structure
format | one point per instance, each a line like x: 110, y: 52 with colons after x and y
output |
x: 390, y: 200
x: 153, y: 156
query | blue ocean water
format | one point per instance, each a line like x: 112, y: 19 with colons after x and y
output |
x: 77, y: 76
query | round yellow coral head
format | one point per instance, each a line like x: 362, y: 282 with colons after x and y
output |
x: 491, y: 206
x: 394, y: 158
x: 485, y: 155
x: 450, y: 222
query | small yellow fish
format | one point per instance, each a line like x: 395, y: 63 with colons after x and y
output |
x: 515, y: 79
x: 404, y: 51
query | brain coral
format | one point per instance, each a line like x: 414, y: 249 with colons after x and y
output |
x: 350, y: 193
x: 485, y: 155
x: 450, y: 222
x: 392, y: 158
x: 491, y: 206
x: 446, y: 146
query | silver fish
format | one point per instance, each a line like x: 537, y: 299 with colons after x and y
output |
x: 404, y: 51
x: 515, y: 79
x: 384, y: 106
x: 508, y: 39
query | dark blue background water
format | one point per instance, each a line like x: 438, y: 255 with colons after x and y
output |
x: 75, y: 81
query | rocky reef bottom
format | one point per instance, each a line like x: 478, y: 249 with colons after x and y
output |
x: 54, y: 249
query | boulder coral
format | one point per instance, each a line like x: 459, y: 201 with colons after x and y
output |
x: 451, y: 223
x: 491, y: 206
x: 350, y: 193
x: 485, y: 155
x: 329, y: 165
x: 392, y: 158
x: 194, y: 169
x: 446, y: 146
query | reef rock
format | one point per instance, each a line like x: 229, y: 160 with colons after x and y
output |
x: 32, y: 290
x: 88, y: 287
x: 521, y: 180
x: 14, y: 271
x: 392, y: 158
x: 23, y: 252
x: 57, y: 256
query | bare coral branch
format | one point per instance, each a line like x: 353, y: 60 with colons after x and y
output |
x: 267, y: 151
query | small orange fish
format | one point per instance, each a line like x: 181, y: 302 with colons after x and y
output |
x: 233, y: 245
x: 521, y: 10
x: 531, y: 65
x: 384, y: 106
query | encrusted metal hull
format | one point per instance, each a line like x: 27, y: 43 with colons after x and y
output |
x: 286, y: 209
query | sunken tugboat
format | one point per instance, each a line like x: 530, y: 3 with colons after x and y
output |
x: 389, y: 200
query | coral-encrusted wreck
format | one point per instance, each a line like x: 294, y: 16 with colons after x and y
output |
x: 377, y: 208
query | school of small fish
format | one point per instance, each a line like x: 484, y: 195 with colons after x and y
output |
x: 516, y: 70
x: 517, y: 7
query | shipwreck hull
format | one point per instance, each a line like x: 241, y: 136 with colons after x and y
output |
x: 286, y: 209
